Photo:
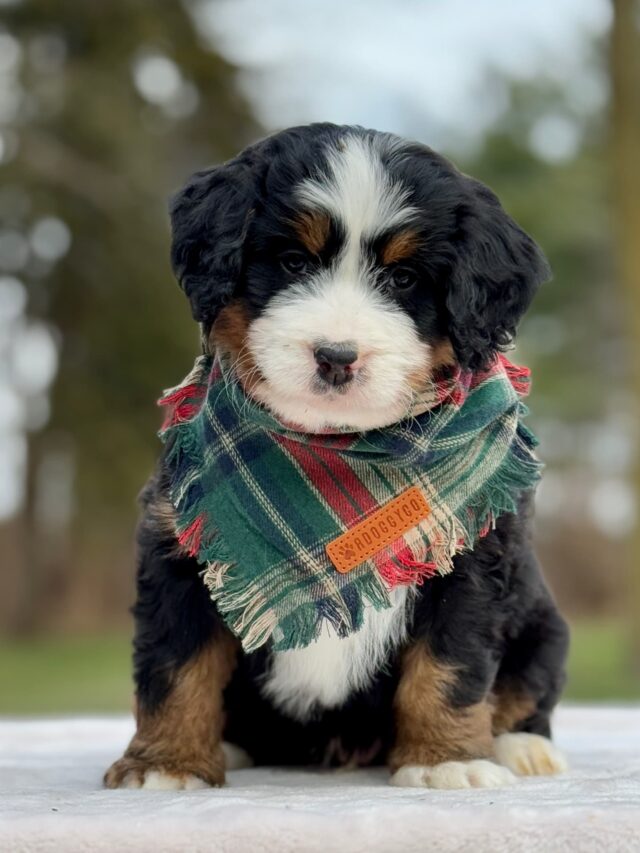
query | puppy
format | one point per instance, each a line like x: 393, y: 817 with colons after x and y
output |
x: 337, y: 270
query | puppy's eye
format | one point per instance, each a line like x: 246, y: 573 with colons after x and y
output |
x: 294, y: 262
x: 403, y: 278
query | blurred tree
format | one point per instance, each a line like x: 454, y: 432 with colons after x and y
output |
x: 563, y: 202
x: 571, y: 337
x: 625, y: 163
x: 116, y: 102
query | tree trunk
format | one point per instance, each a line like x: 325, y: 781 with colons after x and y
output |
x: 26, y: 617
x: 625, y: 153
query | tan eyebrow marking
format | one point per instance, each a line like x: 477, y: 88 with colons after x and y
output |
x: 400, y: 246
x: 313, y: 229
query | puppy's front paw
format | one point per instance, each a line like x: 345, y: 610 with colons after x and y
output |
x: 529, y: 755
x: 131, y: 773
x: 454, y: 774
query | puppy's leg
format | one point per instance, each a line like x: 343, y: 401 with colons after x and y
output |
x: 178, y: 741
x: 527, y: 689
x: 184, y: 657
x: 440, y: 744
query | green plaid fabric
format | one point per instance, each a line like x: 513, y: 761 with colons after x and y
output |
x: 257, y: 501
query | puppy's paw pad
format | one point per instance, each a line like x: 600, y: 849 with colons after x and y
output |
x: 454, y: 774
x: 529, y: 755
x: 161, y: 780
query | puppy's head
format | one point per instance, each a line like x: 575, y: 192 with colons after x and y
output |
x: 339, y: 266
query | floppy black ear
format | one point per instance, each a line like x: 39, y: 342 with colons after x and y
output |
x: 209, y: 221
x: 496, y: 273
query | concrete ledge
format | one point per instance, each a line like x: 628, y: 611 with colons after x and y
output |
x: 51, y: 799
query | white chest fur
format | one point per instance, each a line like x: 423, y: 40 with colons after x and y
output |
x: 326, y: 672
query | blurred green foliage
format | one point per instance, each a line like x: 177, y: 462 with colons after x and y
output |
x: 102, y: 157
x: 62, y: 675
x: 600, y: 662
x: 566, y: 206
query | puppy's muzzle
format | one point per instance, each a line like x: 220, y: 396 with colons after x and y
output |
x: 335, y: 363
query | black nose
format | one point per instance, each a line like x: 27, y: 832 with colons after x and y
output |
x: 334, y: 362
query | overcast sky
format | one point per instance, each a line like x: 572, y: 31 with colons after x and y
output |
x: 409, y: 66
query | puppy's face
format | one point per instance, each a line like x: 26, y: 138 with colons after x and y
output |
x: 343, y: 322
x: 339, y: 266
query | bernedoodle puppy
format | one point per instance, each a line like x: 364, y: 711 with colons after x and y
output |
x: 334, y: 557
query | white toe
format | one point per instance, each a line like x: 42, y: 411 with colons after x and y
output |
x: 454, y: 774
x: 194, y: 783
x: 529, y: 755
x: 131, y: 780
x: 158, y: 780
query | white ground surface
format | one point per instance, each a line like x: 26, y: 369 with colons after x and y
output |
x: 51, y: 800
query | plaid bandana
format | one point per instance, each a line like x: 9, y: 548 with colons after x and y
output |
x: 257, y: 501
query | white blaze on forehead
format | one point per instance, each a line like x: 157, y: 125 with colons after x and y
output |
x: 358, y: 191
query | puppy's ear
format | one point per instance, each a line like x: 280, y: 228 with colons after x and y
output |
x: 495, y: 275
x: 209, y: 221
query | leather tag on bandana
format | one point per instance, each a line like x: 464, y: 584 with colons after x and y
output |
x: 379, y: 530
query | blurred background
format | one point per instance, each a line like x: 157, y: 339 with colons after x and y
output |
x: 106, y: 108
